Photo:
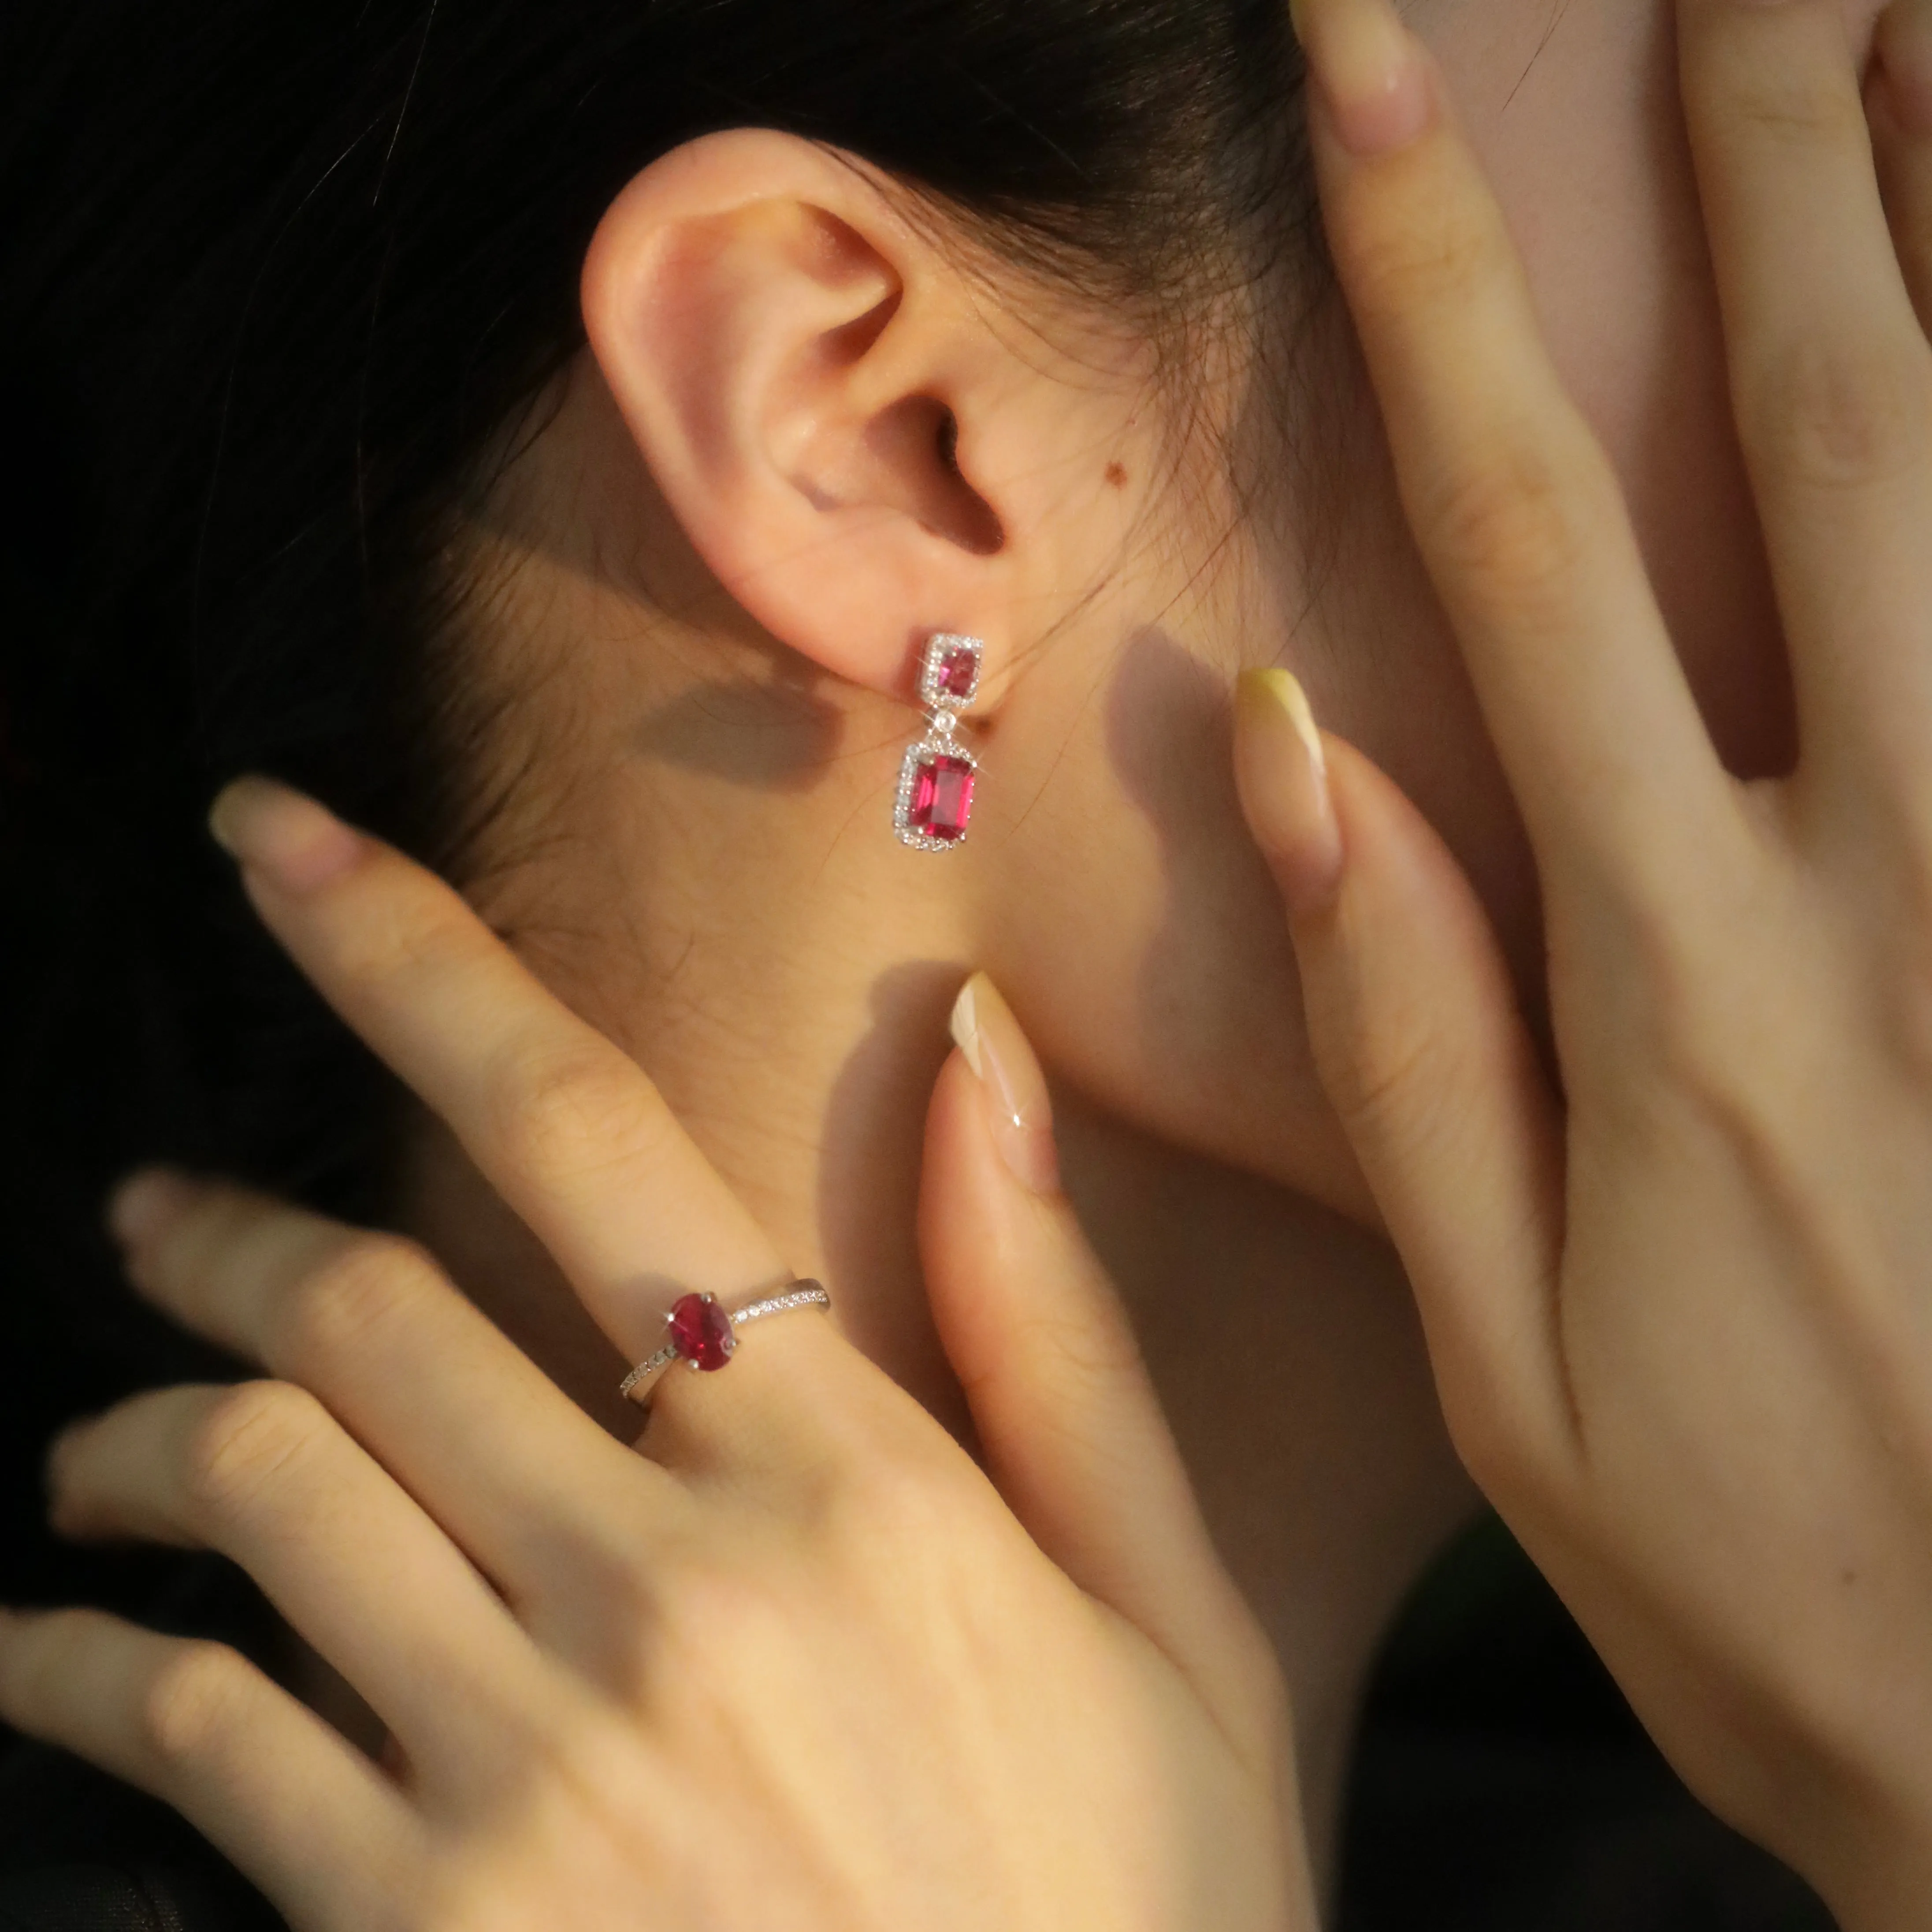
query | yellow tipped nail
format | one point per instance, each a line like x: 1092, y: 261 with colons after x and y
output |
x: 1271, y: 691
x: 1282, y: 768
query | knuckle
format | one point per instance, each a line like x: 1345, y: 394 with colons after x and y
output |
x: 1839, y: 414
x: 397, y: 937
x: 249, y: 1435
x: 719, y: 1628
x: 1715, y: 1029
x: 193, y: 1701
x: 1687, y: 1038
x: 623, y: 1576
x: 1093, y: 1345
x: 918, y: 1549
x: 567, y: 1113
x: 1399, y: 266
x: 1794, y: 107
x: 342, y: 1308
x: 884, y: 1505
x: 1510, y: 522
x: 1381, y: 1064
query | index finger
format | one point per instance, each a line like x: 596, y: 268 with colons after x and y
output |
x: 1515, y: 504
x: 562, y: 1122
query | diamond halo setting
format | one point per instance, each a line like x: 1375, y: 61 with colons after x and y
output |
x: 939, y: 773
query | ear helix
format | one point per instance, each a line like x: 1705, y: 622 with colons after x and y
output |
x: 935, y: 803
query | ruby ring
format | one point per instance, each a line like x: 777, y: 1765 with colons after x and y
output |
x: 704, y: 1334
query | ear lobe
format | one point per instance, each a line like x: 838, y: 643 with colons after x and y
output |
x: 792, y: 361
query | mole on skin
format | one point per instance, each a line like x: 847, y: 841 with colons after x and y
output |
x: 1117, y: 475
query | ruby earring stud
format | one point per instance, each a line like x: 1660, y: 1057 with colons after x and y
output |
x: 936, y: 780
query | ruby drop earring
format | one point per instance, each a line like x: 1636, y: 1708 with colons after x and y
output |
x: 936, y: 781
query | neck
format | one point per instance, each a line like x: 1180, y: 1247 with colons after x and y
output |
x: 798, y: 1043
x: 721, y: 893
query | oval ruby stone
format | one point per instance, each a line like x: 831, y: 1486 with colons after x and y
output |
x: 701, y: 1331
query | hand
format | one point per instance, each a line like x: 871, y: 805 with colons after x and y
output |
x: 800, y: 1665
x: 1681, y: 1314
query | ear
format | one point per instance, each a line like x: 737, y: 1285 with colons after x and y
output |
x: 825, y: 398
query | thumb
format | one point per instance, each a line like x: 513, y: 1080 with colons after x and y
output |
x: 1424, y: 1054
x: 1073, y: 1433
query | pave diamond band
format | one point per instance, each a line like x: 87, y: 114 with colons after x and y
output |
x: 704, y: 1334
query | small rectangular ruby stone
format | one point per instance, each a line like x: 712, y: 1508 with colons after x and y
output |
x: 942, y: 797
x: 957, y: 670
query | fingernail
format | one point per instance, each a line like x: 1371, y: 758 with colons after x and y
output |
x: 1373, y: 77
x: 1017, y: 1105
x: 143, y: 1204
x: 1282, y: 772
x: 1905, y: 58
x: 283, y: 836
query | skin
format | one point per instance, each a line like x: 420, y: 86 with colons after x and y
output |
x: 1107, y: 888
x: 1716, y: 1236
x: 711, y: 889
x: 1602, y: 768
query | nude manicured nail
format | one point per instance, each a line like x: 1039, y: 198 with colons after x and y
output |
x: 293, y: 842
x: 1282, y: 771
x: 1373, y: 75
x: 1017, y: 1105
x: 144, y: 1203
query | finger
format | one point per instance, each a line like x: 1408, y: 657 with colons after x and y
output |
x: 263, y: 1473
x: 1421, y: 1049
x: 1899, y: 108
x: 1073, y: 1433
x: 538, y: 1496
x: 561, y: 1122
x: 1830, y: 372
x: 308, y: 1818
x: 1515, y: 506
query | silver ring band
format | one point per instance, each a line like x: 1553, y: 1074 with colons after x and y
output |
x: 704, y: 1335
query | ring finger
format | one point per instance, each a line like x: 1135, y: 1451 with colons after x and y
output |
x: 560, y: 1121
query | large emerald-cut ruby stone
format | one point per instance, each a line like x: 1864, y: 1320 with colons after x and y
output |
x: 701, y: 1331
x: 942, y: 796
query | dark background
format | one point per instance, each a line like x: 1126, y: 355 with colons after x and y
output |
x: 1502, y: 1784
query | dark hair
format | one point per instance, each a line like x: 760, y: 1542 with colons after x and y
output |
x: 277, y: 271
